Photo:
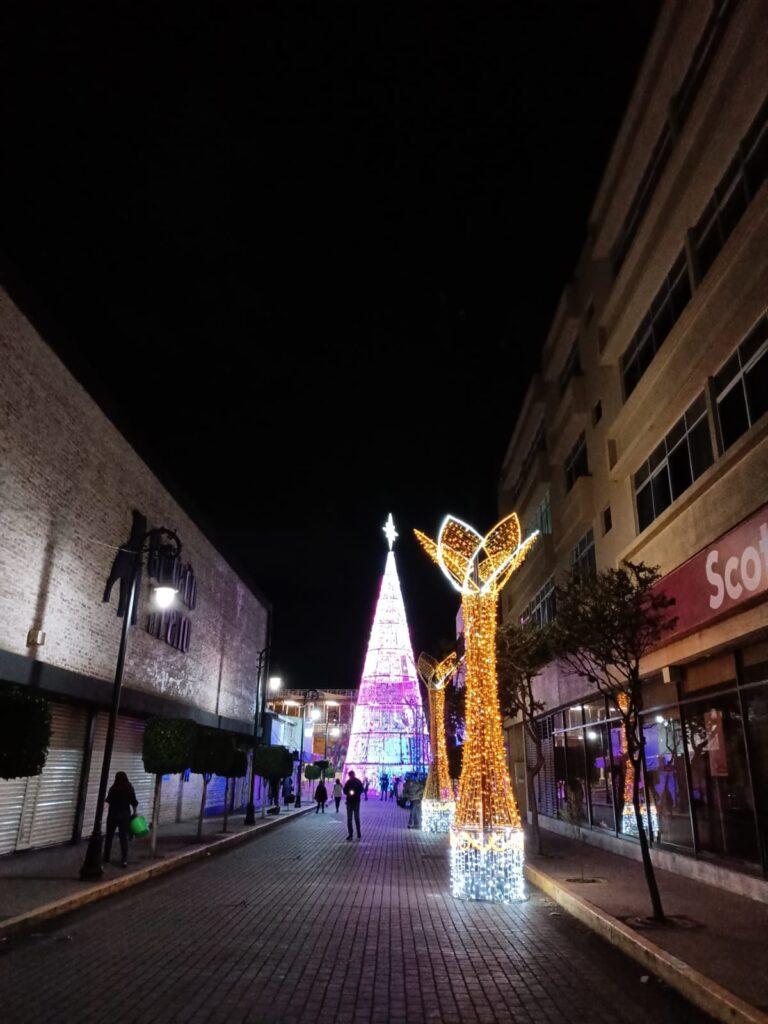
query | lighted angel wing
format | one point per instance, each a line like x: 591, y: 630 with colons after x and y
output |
x: 476, y: 564
x: 444, y: 671
x: 426, y: 666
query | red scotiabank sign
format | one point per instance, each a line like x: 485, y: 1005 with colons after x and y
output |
x: 728, y: 574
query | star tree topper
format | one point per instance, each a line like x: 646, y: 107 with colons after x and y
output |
x: 390, y: 532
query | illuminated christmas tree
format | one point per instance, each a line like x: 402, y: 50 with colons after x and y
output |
x: 389, y: 729
x: 487, y: 847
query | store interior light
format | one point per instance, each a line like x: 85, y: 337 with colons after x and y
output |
x: 164, y: 596
x: 309, y: 732
x: 315, y: 714
x: 275, y: 682
x: 335, y: 731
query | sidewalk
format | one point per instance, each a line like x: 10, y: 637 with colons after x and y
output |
x: 721, y: 935
x: 45, y: 882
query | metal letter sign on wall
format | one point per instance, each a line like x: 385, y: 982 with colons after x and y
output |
x: 173, y: 627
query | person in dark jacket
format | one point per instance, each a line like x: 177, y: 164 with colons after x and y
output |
x: 353, y: 789
x: 321, y: 796
x: 122, y: 803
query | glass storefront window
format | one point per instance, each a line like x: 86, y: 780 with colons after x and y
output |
x: 665, y: 777
x: 600, y: 780
x: 720, y: 791
x: 595, y: 711
x: 576, y: 808
x: 624, y: 780
x: 756, y: 712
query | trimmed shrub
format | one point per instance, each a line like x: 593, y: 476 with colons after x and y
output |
x: 25, y: 733
x: 168, y: 746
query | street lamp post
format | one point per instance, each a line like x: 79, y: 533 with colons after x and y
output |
x: 93, y: 866
x: 250, y: 811
x: 309, y: 695
x: 274, y: 684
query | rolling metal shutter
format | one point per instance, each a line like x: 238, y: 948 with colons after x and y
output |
x: 12, y: 794
x: 126, y: 757
x: 51, y: 799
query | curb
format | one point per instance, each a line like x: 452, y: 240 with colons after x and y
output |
x: 710, y: 997
x: 101, y: 890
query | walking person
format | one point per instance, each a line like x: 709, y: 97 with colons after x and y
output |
x: 353, y: 789
x: 122, y: 802
x: 321, y: 796
x: 337, y: 791
x: 366, y: 784
x: 414, y: 791
x: 287, y: 790
x: 383, y: 786
x: 395, y: 791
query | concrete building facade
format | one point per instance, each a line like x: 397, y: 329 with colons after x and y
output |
x: 69, y: 484
x: 644, y: 438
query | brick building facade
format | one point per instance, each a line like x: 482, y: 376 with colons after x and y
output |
x: 69, y: 484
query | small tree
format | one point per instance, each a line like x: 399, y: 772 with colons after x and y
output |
x: 312, y: 772
x: 167, y: 747
x: 25, y: 733
x: 237, y: 770
x: 523, y: 651
x: 605, y: 625
x: 272, y: 764
x: 212, y: 755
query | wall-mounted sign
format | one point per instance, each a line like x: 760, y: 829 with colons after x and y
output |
x: 174, y: 627
x: 728, y: 574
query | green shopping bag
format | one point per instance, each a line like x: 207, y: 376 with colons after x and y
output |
x: 139, y: 826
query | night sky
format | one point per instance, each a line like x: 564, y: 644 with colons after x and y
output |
x: 305, y: 256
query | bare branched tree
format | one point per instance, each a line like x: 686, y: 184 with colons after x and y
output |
x: 522, y: 652
x: 606, y: 623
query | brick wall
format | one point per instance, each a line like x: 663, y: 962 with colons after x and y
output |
x: 68, y: 482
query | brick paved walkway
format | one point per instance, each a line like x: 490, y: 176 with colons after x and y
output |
x: 301, y: 927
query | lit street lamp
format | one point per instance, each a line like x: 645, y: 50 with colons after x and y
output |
x: 306, y: 733
x: 165, y: 554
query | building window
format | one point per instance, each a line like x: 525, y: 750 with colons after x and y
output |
x: 541, y: 519
x: 607, y: 520
x: 597, y: 412
x: 681, y: 105
x: 539, y: 444
x: 583, y: 561
x: 541, y: 608
x: 576, y: 463
x: 572, y: 367
x: 670, y: 301
x: 741, y: 386
x: 674, y: 464
x: 733, y: 195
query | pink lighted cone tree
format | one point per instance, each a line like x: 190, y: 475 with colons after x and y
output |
x: 389, y: 729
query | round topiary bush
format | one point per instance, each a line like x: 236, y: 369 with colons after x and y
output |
x: 25, y: 733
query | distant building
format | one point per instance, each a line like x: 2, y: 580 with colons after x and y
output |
x: 644, y: 438
x: 329, y: 712
x: 69, y: 484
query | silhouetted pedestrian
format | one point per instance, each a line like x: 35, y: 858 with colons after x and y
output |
x: 383, y: 786
x: 366, y: 784
x: 122, y: 800
x: 321, y: 796
x: 337, y: 791
x: 353, y: 789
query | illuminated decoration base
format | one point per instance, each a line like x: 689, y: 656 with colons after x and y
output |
x: 487, y: 846
x: 487, y: 864
x: 389, y: 734
x: 629, y: 821
x: 437, y: 815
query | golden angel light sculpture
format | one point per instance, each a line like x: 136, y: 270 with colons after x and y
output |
x: 438, y: 804
x: 487, y: 849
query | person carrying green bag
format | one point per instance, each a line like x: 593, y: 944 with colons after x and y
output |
x: 121, y: 799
